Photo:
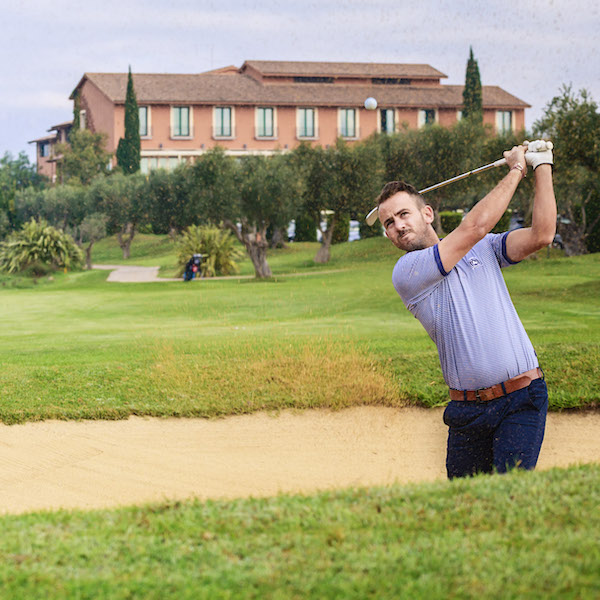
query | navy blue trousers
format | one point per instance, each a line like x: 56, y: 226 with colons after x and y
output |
x: 494, y: 436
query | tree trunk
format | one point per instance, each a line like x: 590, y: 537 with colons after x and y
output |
x: 279, y: 238
x: 125, y: 237
x: 324, y: 252
x: 88, y: 256
x: 256, y: 246
x: 258, y: 254
x: 573, y: 238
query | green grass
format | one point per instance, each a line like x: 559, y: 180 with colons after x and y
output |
x: 78, y: 347
x: 521, y: 535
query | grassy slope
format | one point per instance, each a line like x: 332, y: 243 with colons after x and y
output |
x: 81, y: 348
x: 522, y: 535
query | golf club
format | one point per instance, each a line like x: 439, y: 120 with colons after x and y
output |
x: 536, y: 146
x: 374, y: 214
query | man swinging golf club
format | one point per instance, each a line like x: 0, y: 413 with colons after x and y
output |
x: 498, y: 397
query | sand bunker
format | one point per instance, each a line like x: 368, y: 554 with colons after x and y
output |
x: 97, y: 464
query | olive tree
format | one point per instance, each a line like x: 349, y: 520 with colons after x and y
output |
x: 572, y: 122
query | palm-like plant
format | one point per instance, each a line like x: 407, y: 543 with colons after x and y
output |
x: 39, y: 247
x: 220, y: 248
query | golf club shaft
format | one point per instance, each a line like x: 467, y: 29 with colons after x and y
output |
x: 497, y: 163
x: 372, y: 216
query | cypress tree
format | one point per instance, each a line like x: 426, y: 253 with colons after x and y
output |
x: 76, y: 114
x: 472, y: 102
x: 128, y: 150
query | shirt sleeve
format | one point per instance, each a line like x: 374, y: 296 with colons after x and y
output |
x: 416, y: 275
x: 497, y: 242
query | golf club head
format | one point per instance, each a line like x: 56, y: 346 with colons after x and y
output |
x: 372, y: 216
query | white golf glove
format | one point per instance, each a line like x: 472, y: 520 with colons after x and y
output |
x: 538, y: 153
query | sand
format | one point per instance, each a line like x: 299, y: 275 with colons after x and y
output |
x: 101, y: 464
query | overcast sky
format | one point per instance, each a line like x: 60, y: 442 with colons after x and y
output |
x: 529, y: 47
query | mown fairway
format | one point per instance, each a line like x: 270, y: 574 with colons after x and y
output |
x: 79, y: 347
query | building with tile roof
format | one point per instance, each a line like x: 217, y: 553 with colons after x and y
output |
x: 264, y: 106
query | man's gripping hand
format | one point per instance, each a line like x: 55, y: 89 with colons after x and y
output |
x: 539, y: 153
x: 515, y: 159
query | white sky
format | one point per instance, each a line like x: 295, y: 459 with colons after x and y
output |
x: 528, y: 47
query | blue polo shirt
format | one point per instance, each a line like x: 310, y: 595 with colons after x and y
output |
x: 468, y: 313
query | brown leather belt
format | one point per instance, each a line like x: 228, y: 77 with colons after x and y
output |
x: 500, y: 389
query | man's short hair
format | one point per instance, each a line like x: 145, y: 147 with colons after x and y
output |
x: 393, y: 187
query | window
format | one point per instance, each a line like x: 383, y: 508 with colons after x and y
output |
x: 306, y: 123
x: 459, y: 115
x: 144, y: 112
x: 82, y: 119
x: 312, y: 79
x: 180, y: 120
x: 348, y: 122
x: 426, y: 117
x: 45, y: 149
x: 151, y: 163
x: 503, y: 121
x: 388, y: 124
x: 223, y: 121
x: 390, y: 81
x: 265, y: 122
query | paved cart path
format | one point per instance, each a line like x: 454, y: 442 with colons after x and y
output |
x: 136, y: 274
x: 97, y: 464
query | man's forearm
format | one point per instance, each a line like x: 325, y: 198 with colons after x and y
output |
x: 543, y: 220
x: 489, y: 210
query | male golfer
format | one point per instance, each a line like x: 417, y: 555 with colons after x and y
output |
x: 498, y: 396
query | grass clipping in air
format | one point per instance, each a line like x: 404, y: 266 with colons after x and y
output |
x: 241, y: 380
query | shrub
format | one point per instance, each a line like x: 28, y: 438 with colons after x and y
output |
x: 504, y: 223
x: 450, y: 220
x: 341, y: 229
x: 38, y: 249
x: 366, y: 231
x: 219, y: 247
x: 306, y: 229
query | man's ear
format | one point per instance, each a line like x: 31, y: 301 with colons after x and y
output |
x: 428, y: 215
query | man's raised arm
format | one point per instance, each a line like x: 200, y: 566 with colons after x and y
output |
x: 523, y: 242
x: 482, y: 218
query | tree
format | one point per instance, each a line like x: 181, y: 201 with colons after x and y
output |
x: 472, y: 102
x: 62, y: 206
x: 122, y: 198
x: 269, y: 194
x: 83, y: 158
x: 76, y: 113
x: 572, y: 122
x: 16, y: 174
x: 171, y: 208
x: 427, y: 156
x: 129, y: 147
x: 341, y: 180
x: 91, y: 230
x: 246, y: 197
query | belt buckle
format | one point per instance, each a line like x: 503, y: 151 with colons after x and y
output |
x: 477, y: 396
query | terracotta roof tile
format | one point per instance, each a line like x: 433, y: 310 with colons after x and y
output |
x: 242, y: 89
x: 46, y: 138
x: 345, y: 69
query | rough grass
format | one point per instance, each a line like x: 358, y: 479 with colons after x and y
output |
x: 521, y: 535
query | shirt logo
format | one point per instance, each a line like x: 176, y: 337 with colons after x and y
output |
x: 474, y: 262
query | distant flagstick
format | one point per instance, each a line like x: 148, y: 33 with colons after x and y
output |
x: 374, y: 214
